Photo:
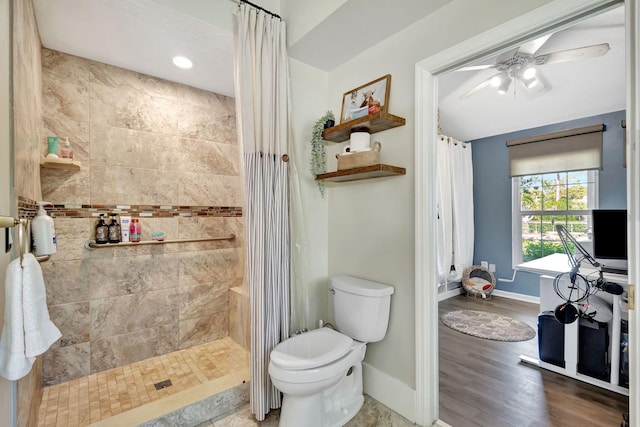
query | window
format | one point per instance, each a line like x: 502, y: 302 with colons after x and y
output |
x: 540, y: 202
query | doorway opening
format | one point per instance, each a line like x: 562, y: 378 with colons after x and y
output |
x: 550, y: 18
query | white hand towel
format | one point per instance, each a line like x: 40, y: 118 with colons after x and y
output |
x: 39, y: 330
x: 26, y: 320
x: 14, y: 363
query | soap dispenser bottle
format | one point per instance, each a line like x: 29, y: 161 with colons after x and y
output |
x: 102, y: 231
x: 114, y: 230
x: 44, y: 232
x: 66, y: 152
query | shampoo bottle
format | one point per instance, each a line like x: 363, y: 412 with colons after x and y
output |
x: 114, y: 230
x: 44, y: 232
x: 134, y: 230
x: 102, y: 231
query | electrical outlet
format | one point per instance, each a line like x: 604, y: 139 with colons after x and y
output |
x: 485, y: 264
x: 492, y: 268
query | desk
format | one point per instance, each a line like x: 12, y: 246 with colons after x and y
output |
x: 548, y: 268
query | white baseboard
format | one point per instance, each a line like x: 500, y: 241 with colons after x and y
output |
x: 516, y: 296
x: 504, y: 294
x: 389, y: 391
x: 450, y: 294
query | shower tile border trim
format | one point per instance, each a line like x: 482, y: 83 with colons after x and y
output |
x: 28, y: 208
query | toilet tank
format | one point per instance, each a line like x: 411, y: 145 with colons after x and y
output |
x: 361, y: 307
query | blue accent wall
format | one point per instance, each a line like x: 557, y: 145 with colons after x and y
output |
x: 492, y: 193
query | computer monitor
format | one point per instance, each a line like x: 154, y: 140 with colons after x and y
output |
x: 610, y: 238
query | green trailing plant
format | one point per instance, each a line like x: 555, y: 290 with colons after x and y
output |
x: 318, y: 151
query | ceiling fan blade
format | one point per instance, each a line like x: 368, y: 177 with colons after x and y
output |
x: 477, y: 67
x: 572, y: 54
x: 532, y: 47
x: 479, y: 86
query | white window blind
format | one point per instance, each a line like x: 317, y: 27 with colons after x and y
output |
x: 568, y: 150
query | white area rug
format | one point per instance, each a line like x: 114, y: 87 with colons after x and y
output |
x: 487, y: 325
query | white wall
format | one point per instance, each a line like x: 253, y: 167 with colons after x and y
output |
x: 309, y: 244
x: 6, y: 174
x: 370, y: 222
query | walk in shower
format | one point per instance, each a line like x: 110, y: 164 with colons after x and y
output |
x: 139, y: 324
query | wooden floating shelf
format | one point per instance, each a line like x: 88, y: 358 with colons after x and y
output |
x: 365, y: 172
x: 376, y: 122
x: 53, y: 163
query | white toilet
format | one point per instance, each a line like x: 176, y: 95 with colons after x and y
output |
x: 320, y: 372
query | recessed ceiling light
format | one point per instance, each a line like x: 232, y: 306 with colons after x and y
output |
x: 182, y: 62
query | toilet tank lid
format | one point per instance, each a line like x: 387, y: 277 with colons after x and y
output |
x: 358, y: 286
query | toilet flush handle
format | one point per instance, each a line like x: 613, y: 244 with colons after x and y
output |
x: 332, y: 291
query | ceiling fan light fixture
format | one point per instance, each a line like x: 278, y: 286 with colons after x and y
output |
x: 530, y: 84
x: 529, y: 73
x: 504, y: 86
x: 522, y: 66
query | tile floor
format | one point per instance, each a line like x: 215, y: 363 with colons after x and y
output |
x: 372, y: 414
x: 98, y: 397
x: 87, y: 400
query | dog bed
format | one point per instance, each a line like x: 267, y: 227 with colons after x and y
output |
x: 478, y: 282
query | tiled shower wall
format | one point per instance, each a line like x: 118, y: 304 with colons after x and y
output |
x: 165, y: 148
x: 27, y: 122
x: 27, y: 101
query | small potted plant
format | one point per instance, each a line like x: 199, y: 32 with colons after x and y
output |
x: 318, y: 152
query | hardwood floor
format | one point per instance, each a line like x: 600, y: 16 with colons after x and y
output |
x: 483, y: 383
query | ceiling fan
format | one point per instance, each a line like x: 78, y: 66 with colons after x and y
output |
x: 522, y: 66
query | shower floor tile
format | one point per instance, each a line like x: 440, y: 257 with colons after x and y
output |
x: 91, y: 399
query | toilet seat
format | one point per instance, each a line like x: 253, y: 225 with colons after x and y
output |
x: 312, y: 349
x: 334, y: 369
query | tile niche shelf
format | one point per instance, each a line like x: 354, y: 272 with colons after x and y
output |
x: 375, y: 122
x: 53, y: 163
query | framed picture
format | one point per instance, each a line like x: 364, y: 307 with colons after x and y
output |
x: 369, y: 98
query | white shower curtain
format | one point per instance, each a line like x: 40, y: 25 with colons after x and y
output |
x: 262, y: 104
x: 445, y: 218
x: 455, y: 208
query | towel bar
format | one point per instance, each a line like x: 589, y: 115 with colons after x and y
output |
x: 24, y: 242
x: 8, y: 221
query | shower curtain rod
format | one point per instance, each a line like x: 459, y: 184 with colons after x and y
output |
x: 258, y: 7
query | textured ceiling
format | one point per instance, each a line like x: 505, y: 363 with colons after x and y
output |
x: 576, y: 89
x: 143, y: 36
